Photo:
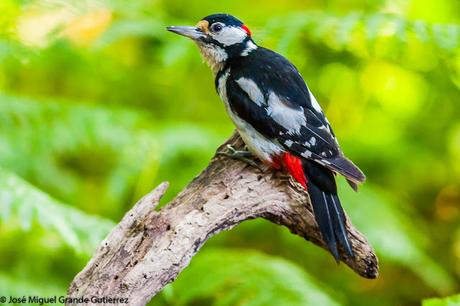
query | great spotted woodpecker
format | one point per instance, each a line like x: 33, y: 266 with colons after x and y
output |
x: 278, y: 117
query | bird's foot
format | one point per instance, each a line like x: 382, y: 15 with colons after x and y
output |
x: 241, y: 155
x: 232, y: 152
x: 263, y: 168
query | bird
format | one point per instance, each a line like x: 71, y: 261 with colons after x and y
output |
x: 278, y: 118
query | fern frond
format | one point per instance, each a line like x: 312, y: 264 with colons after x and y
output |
x: 403, y: 241
x: 243, y: 277
x: 342, y: 32
x: 94, y: 155
x: 26, y: 205
x: 15, y: 286
x: 99, y: 159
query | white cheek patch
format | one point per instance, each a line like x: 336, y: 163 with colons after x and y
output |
x: 288, y: 117
x: 230, y: 35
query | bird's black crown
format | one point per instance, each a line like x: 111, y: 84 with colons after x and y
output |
x: 223, y: 18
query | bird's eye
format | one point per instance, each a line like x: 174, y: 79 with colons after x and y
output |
x: 217, y: 27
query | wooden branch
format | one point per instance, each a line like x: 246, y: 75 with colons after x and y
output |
x: 149, y: 248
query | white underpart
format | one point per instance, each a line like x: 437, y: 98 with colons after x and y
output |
x: 290, y: 118
x: 315, y: 103
x: 253, y: 91
x: 230, y: 35
x: 214, y: 56
x: 250, y: 46
x: 260, y: 146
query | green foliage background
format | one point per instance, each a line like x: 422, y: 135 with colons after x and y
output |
x: 98, y: 104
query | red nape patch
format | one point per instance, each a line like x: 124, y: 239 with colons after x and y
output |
x: 294, y: 166
x: 246, y: 29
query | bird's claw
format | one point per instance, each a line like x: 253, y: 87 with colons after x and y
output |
x: 241, y: 155
x: 238, y: 153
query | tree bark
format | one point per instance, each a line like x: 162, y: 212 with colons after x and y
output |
x: 149, y: 248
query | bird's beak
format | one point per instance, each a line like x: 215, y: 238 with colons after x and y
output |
x: 190, y: 32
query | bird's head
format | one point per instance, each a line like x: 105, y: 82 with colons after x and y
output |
x: 220, y: 37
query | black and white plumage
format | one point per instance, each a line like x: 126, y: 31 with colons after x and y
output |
x: 278, y: 117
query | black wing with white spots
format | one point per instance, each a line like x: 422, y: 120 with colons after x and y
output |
x: 278, y: 104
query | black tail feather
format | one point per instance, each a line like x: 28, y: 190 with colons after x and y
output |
x: 338, y: 217
x: 323, y: 218
x: 327, y: 208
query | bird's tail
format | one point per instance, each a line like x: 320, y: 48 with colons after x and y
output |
x: 320, y: 184
x: 328, y: 211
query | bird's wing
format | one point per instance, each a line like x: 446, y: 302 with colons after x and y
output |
x: 278, y: 104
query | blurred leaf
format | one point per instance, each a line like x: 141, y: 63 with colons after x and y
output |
x: 224, y: 277
x: 448, y: 301
x: 22, y: 203
x: 337, y: 31
x: 395, y: 236
x: 84, y: 148
x: 130, y: 28
x: 14, y: 286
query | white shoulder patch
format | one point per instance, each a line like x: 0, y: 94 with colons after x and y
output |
x: 253, y: 91
x: 288, y: 117
x: 250, y: 46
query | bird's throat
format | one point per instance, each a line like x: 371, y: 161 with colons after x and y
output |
x: 214, y: 56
